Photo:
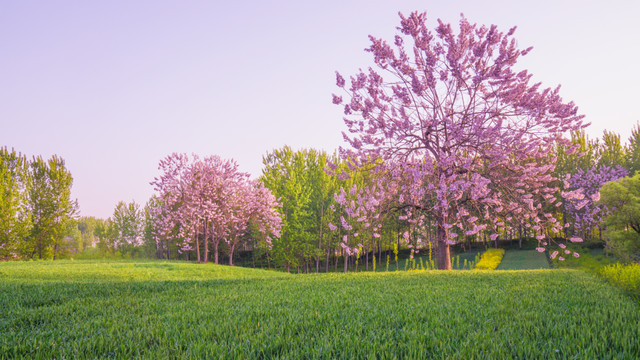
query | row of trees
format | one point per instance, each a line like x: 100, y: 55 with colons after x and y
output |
x: 448, y: 144
x: 36, y: 209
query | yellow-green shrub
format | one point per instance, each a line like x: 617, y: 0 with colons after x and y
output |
x: 490, y: 259
x: 625, y: 276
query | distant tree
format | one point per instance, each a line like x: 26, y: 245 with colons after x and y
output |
x: 582, y: 154
x: 453, y: 116
x: 202, y: 202
x: 299, y: 180
x: 51, y: 206
x: 632, y: 161
x: 611, y: 153
x: 622, y: 199
x: 14, y: 216
x: 127, y: 224
x: 87, y: 227
x: 285, y: 174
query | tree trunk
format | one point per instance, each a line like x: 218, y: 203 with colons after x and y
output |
x: 206, y: 244
x: 326, y: 265
x: 197, y: 246
x: 233, y: 246
x: 346, y: 258
x: 319, y: 240
x: 366, y: 266
x: 444, y: 253
x: 215, y: 251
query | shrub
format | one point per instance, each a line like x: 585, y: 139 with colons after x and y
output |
x: 490, y: 259
x: 624, y: 276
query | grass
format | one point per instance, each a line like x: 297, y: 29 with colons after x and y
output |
x: 523, y: 260
x: 160, y: 310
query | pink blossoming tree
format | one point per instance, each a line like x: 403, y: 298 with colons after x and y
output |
x: 584, y: 209
x: 212, y: 201
x: 462, y: 137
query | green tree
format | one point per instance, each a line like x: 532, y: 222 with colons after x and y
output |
x: 611, y: 152
x: 49, y: 202
x: 622, y: 199
x: 585, y: 155
x: 285, y: 174
x: 126, y: 227
x: 14, y: 216
x: 87, y: 227
x: 633, y: 150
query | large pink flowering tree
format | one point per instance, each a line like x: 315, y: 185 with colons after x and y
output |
x: 464, y: 137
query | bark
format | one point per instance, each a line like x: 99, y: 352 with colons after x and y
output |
x: 326, y: 265
x: 346, y: 258
x: 197, y: 246
x: 444, y: 253
x: 206, y: 244
x: 366, y: 264
x: 233, y: 246
x: 215, y: 251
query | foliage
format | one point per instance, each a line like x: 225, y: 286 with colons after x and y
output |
x: 490, y: 259
x: 622, y: 199
x: 632, y: 150
x: 15, y: 220
x: 127, y: 225
x: 36, y: 211
x: 163, y: 309
x: 585, y: 212
x: 625, y: 276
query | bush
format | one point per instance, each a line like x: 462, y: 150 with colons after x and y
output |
x: 490, y: 259
x: 624, y: 276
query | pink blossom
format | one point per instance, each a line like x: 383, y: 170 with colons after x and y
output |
x: 540, y: 249
x: 554, y: 254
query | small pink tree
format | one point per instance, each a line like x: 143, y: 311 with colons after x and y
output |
x: 210, y: 199
x: 465, y: 137
x: 582, y: 191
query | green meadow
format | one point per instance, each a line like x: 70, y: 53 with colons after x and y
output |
x: 173, y: 310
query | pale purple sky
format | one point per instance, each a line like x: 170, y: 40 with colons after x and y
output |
x: 114, y: 86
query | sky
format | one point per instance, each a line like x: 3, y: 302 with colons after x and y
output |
x: 115, y: 86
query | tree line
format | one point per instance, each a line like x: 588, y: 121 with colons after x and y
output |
x: 36, y: 209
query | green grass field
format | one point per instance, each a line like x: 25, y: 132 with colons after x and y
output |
x: 159, y: 310
x: 523, y: 260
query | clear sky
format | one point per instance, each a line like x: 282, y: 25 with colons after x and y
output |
x: 114, y: 86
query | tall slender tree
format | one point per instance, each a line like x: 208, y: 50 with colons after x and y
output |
x: 14, y: 216
x: 51, y: 206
